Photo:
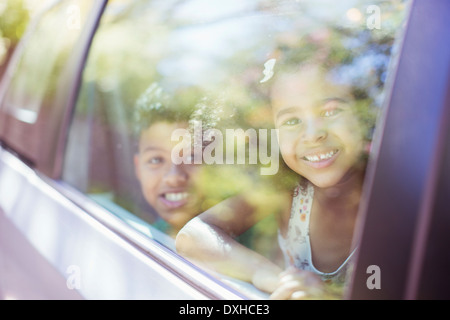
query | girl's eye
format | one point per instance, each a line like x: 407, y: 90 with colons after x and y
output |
x: 333, y: 107
x: 291, y: 122
x: 330, y: 112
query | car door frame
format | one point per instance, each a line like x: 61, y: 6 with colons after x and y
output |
x: 401, y: 190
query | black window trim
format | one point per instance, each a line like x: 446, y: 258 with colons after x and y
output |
x: 396, y: 212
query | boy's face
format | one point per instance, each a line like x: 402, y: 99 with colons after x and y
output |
x: 320, y: 137
x: 166, y: 187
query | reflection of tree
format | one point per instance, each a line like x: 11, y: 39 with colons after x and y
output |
x: 14, y: 18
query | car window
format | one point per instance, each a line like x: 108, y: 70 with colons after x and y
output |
x: 186, y: 107
x: 51, y: 41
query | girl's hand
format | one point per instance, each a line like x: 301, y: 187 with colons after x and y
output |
x: 266, y: 278
x: 296, y: 284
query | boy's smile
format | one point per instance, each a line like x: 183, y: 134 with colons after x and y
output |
x: 174, y: 199
x: 166, y: 186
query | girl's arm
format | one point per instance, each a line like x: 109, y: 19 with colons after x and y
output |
x: 208, y: 240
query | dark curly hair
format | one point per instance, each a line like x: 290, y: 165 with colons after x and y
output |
x: 157, y: 104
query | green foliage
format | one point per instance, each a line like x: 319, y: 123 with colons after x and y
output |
x: 14, y: 18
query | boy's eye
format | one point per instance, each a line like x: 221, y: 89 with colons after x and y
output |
x: 291, y: 122
x: 155, y: 160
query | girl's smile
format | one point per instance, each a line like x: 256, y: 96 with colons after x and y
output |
x: 320, y: 158
x: 320, y: 136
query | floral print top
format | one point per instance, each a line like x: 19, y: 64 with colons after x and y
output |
x: 296, y: 245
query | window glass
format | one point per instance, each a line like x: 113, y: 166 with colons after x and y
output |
x: 258, y: 115
x: 51, y: 42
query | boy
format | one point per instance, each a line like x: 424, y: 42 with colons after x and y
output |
x: 166, y: 186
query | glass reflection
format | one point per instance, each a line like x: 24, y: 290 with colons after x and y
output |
x: 311, y: 72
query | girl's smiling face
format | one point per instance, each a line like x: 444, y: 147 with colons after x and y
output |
x: 320, y: 137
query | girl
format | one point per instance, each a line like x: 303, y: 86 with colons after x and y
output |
x: 321, y: 139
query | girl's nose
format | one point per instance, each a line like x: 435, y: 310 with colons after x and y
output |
x: 314, y: 131
x: 176, y: 176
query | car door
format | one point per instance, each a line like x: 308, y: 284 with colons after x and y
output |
x: 70, y: 191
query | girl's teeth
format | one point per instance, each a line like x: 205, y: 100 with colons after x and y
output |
x: 178, y: 196
x: 320, y: 157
